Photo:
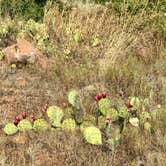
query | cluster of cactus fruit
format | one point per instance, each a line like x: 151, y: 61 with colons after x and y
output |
x: 109, y: 119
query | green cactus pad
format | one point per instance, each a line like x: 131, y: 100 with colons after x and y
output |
x: 104, y: 105
x: 69, y: 125
x: 56, y: 123
x: 101, y: 122
x: 69, y: 112
x: 40, y: 125
x: 113, y: 114
x: 90, y: 118
x: 55, y: 113
x: 135, y: 101
x: 73, y: 99
x: 24, y: 125
x: 10, y: 129
x: 85, y: 124
x: 123, y: 112
x: 93, y: 135
x: 134, y: 122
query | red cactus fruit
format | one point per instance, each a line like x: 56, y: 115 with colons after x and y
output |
x: 33, y: 118
x: 64, y: 105
x: 16, y: 122
x: 24, y: 115
x: 17, y: 119
x: 45, y: 107
x: 132, y: 111
x: 104, y: 95
x: 108, y: 121
x: 128, y: 104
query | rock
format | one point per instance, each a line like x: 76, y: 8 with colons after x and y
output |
x: 24, y: 52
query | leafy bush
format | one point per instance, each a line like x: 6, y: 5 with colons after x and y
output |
x: 38, y: 34
x: 22, y: 8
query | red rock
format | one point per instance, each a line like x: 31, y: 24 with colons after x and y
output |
x: 22, y: 51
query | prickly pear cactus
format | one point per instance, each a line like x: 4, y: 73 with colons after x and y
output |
x: 85, y: 124
x: 101, y: 122
x: 104, y: 105
x: 74, y: 99
x: 55, y: 113
x: 135, y: 101
x: 134, y: 122
x: 68, y: 112
x: 40, y: 125
x: 123, y: 112
x: 93, y: 135
x: 10, y: 129
x: 144, y: 117
x: 90, y: 118
x: 113, y: 114
x: 24, y: 125
x: 69, y: 125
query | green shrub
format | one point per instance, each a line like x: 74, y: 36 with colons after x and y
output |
x: 22, y: 8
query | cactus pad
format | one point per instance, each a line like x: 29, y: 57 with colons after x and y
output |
x: 73, y: 99
x: 55, y: 113
x: 93, y: 135
x: 135, y: 101
x: 104, y: 105
x: 113, y: 114
x: 10, y: 129
x: 40, y: 125
x: 24, y: 125
x: 123, y: 112
x: 85, y: 124
x: 89, y: 118
x: 69, y: 125
x: 101, y: 122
